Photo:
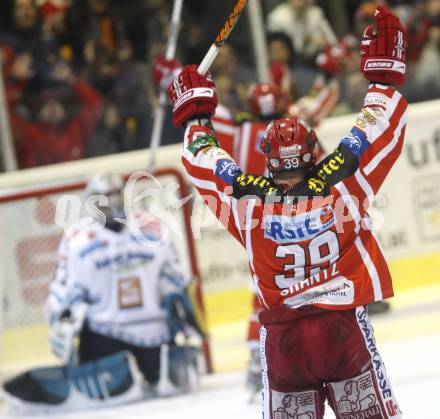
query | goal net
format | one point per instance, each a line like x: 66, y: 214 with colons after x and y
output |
x: 30, y: 234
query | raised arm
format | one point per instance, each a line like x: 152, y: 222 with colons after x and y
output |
x: 365, y: 156
x: 211, y: 170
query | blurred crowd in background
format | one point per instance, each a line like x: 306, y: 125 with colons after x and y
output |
x: 78, y: 79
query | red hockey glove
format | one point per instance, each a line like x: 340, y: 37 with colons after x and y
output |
x: 164, y: 71
x: 383, y: 50
x: 192, y: 95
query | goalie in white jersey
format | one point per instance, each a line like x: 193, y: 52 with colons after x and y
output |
x: 114, y: 291
x: 120, y: 290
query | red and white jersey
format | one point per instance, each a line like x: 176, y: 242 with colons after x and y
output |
x: 225, y: 128
x: 247, y: 152
x: 316, y: 247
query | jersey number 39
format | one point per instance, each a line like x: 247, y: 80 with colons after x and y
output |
x: 308, y: 259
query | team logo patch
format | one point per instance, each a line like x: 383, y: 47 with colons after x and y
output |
x: 129, y: 293
x: 291, y: 151
x: 226, y: 170
x: 274, y: 163
x: 287, y: 229
x: 201, y: 143
x: 356, y: 398
x: 294, y: 405
x: 356, y: 141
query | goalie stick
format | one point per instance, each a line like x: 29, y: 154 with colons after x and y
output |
x: 159, y: 113
x: 223, y: 35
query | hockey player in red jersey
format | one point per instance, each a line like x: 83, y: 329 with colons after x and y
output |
x: 313, y: 255
x: 268, y: 101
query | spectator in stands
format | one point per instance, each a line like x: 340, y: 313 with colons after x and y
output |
x: 103, y: 23
x: 426, y: 16
x: 281, y: 58
x: 18, y: 70
x: 232, y: 78
x: 426, y: 70
x: 352, y: 87
x: 125, y: 123
x: 52, y: 14
x: 305, y: 24
x: 24, y: 29
x: 61, y: 121
x: 96, y: 18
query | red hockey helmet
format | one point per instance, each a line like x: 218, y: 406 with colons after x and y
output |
x: 289, y: 144
x: 267, y: 100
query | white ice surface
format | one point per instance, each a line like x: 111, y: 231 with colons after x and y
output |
x: 412, y: 365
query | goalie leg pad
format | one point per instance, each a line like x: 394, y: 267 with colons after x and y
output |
x: 108, y: 381
x: 183, y: 366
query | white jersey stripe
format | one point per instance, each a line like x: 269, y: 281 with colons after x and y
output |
x: 383, y: 382
x: 392, y: 104
x: 366, y: 187
x: 236, y: 218
x: 354, y: 210
x: 375, y: 161
x: 264, y: 375
x: 372, y: 271
x: 249, y: 250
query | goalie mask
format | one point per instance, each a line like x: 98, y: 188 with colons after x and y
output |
x: 105, y: 197
x: 289, y: 144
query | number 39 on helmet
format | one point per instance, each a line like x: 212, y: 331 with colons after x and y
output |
x: 289, y: 144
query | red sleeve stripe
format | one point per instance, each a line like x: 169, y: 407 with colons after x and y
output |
x: 393, y: 104
x: 385, y: 90
x: 203, y: 174
x: 196, y: 171
x: 222, y: 211
x: 399, y: 115
x: 210, y: 186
